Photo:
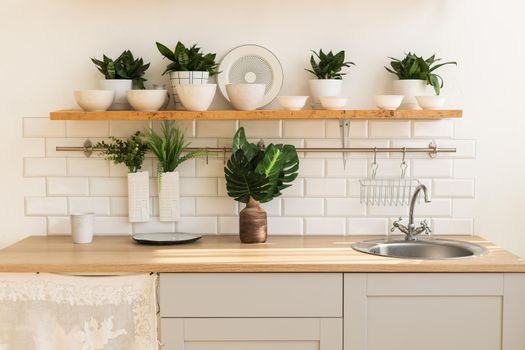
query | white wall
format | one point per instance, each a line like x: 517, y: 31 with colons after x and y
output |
x: 46, y: 47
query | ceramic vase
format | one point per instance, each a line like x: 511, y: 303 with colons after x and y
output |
x: 410, y: 88
x: 325, y: 87
x: 253, y: 223
x: 169, y: 197
x: 138, y: 197
x: 121, y: 87
x: 186, y: 78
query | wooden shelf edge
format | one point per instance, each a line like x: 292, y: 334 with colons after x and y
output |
x: 257, y: 115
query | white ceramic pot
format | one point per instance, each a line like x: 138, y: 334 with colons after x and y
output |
x: 292, y: 103
x: 196, y: 97
x: 325, y: 87
x: 246, y: 97
x: 431, y: 102
x: 169, y: 197
x: 410, y: 88
x: 82, y: 227
x: 147, y: 100
x: 138, y: 197
x: 186, y: 78
x: 121, y: 87
x: 94, y: 100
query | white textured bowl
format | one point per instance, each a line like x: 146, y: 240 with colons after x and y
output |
x: 94, y: 100
x: 333, y: 102
x: 292, y: 103
x: 431, y: 102
x: 246, y: 97
x: 390, y: 102
x: 147, y: 100
x: 195, y: 97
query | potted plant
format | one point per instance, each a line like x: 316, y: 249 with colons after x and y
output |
x: 415, y: 73
x: 130, y: 152
x: 169, y: 147
x: 257, y: 175
x: 328, y: 71
x: 189, y: 66
x: 123, y: 74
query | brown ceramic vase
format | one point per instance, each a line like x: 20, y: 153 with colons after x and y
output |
x: 253, y: 223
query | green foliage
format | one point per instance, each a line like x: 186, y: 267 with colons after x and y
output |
x: 416, y: 67
x: 168, y: 146
x: 188, y: 59
x: 130, y: 151
x: 259, y: 173
x: 124, y: 67
x: 329, y: 65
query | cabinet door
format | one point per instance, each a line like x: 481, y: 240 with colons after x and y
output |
x: 251, y: 333
x: 429, y: 311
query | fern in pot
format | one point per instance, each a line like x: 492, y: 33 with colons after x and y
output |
x: 131, y: 153
x: 415, y: 74
x: 122, y: 74
x: 169, y: 146
x: 257, y: 175
x: 328, y: 69
x: 189, y: 66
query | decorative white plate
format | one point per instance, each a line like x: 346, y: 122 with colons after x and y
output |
x: 165, y: 238
x: 251, y: 64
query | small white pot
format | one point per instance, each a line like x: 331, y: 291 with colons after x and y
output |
x: 138, y: 196
x: 196, y: 97
x: 246, y: 97
x: 186, y: 78
x: 410, y: 88
x: 82, y: 227
x: 169, y: 197
x: 121, y: 87
x: 147, y: 100
x: 325, y: 87
x: 431, y: 102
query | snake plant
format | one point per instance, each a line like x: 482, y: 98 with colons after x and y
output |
x: 124, y: 67
x: 188, y: 59
x: 329, y: 65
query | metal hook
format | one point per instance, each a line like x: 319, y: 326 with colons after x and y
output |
x: 404, y: 165
x: 374, y: 165
x: 207, y: 156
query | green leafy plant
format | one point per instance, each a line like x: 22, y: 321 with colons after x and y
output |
x: 188, y: 59
x: 130, y: 151
x: 329, y: 65
x: 124, y: 67
x: 169, y: 147
x: 261, y: 174
x: 416, y: 67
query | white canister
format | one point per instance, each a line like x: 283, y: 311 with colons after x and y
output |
x: 410, y: 88
x: 138, y: 196
x: 82, y: 227
x: 325, y: 87
x: 186, y: 78
x: 121, y: 87
x: 169, y: 197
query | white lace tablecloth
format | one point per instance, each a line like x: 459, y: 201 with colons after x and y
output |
x: 58, y: 312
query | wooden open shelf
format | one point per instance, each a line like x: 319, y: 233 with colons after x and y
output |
x: 258, y: 114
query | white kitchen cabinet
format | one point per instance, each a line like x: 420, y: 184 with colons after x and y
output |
x: 434, y: 311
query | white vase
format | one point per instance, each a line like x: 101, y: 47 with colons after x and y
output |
x: 121, y: 87
x: 325, y: 87
x: 169, y: 197
x: 410, y: 88
x: 138, y: 197
x: 186, y: 78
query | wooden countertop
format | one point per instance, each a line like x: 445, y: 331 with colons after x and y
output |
x: 119, y: 254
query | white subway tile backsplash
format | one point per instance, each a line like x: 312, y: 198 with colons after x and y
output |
x: 44, y: 167
x: 389, y: 129
x: 34, y: 186
x: 186, y: 169
x: 198, y: 186
x: 295, y: 190
x: 53, y: 143
x: 358, y: 129
x: 453, y: 188
x: 303, y: 128
x: 285, y: 226
x: 453, y: 226
x: 433, y: 128
x: 44, y: 127
x: 118, y: 206
x: 463, y: 207
x: 34, y: 226
x: 324, y: 143
x: 354, y: 168
x: 228, y: 225
x: 311, y: 167
x: 59, y: 225
x: 112, y: 225
x: 432, y: 168
x: 303, y: 206
x: 42, y: 206
x: 391, y: 168
x: 465, y: 168
x: 87, y: 128
x: 261, y: 128
x: 273, y: 207
x: 187, y: 206
x: 186, y: 126
x: 98, y: 205
x: 345, y: 207
x: 438, y: 207
x: 367, y: 144
x: 153, y: 225
x: 216, y: 128
x: 87, y: 167
x: 199, y: 225
x: 325, y: 187
x: 123, y: 129
x: 464, y: 148
x: 367, y: 226
x: 212, y: 168
x: 354, y: 187
x: 108, y: 186
x: 67, y: 186
x: 325, y: 226
x: 33, y: 147
x: 216, y: 206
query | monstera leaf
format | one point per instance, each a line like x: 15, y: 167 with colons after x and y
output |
x: 259, y: 173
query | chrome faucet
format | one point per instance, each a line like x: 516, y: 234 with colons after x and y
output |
x: 411, y: 231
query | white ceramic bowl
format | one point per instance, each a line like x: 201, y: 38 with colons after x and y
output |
x: 333, y: 102
x: 431, y: 102
x: 147, y: 100
x: 390, y: 102
x: 94, y: 100
x: 292, y: 103
x: 196, y: 97
x: 246, y: 97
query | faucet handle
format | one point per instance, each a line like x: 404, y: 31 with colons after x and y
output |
x: 395, y: 224
x: 426, y: 228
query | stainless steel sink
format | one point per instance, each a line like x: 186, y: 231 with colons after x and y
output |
x: 420, y: 249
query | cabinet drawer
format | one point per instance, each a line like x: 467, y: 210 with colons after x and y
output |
x: 251, y: 295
